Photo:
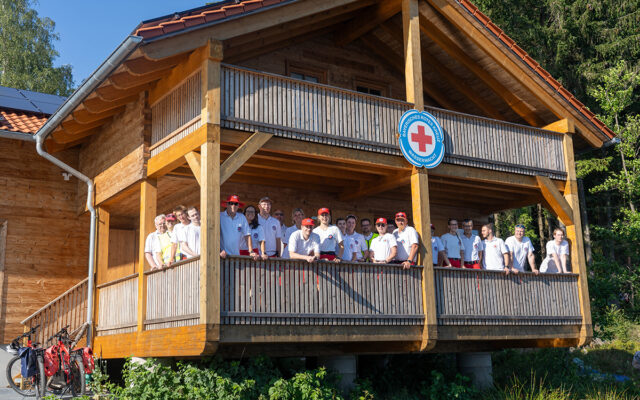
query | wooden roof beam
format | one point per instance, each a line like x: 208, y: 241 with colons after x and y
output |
x: 97, y: 106
x: 368, y: 20
x: 194, y: 161
x: 429, y: 27
x: 86, y: 117
x: 242, y: 154
x: 397, y: 63
x: 376, y: 186
x: 111, y: 93
x: 124, y: 80
x: 559, y: 205
x: 142, y: 66
x: 396, y: 32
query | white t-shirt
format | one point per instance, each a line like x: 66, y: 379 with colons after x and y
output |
x: 548, y: 264
x: 232, y: 229
x: 453, y: 245
x: 472, y: 247
x: 257, y: 236
x: 190, y: 234
x: 285, y: 240
x: 349, y: 249
x: 359, y: 245
x: 153, y: 246
x: 272, y: 231
x: 298, y: 245
x: 381, y: 246
x: 329, y: 238
x: 405, y: 239
x: 493, y: 254
x: 520, y: 251
x: 436, y: 247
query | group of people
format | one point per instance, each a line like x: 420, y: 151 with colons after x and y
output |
x: 255, y: 232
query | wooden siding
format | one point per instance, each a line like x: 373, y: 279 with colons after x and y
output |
x: 117, y: 306
x: 114, y: 157
x: 287, y: 292
x: 46, y: 242
x: 173, y: 296
x: 291, y: 108
x: 68, y: 309
x: 177, y: 114
x: 473, y: 297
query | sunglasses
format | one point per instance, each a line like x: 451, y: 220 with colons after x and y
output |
x: 232, y: 203
x: 381, y: 224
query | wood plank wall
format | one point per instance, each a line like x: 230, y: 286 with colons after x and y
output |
x: 47, y: 243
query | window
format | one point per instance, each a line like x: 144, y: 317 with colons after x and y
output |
x: 368, y: 86
x: 306, y: 72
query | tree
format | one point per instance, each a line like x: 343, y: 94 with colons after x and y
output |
x: 27, y: 51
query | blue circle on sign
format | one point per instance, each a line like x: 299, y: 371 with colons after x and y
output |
x: 421, y: 139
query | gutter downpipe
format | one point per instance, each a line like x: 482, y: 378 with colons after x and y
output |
x: 128, y: 46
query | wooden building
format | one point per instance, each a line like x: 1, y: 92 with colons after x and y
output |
x: 43, y: 240
x: 300, y: 100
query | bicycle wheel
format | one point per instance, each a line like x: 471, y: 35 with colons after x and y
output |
x: 23, y: 386
x: 41, y: 379
x: 79, y: 385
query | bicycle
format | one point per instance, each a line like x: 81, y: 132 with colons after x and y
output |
x: 20, y: 370
x: 64, y: 366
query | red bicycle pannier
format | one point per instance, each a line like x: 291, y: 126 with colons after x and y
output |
x: 51, y: 361
x: 87, y: 360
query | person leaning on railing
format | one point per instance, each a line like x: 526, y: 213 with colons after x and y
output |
x: 304, y: 244
x: 233, y: 227
x: 189, y: 237
x: 473, y: 249
x: 157, y: 246
x: 437, y: 248
x: 521, y: 250
x: 453, y: 245
x: 407, y: 239
x: 557, y: 252
x: 357, y: 241
x: 257, y: 236
x: 383, y: 247
x: 496, y: 254
x: 330, y: 237
x: 297, y: 215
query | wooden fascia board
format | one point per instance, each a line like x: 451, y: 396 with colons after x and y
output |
x: 242, y: 154
x: 226, y: 29
x: 368, y: 20
x: 86, y: 117
x: 142, y: 66
x: 97, y: 106
x: 554, y: 198
x: 504, y: 57
x: 124, y: 80
x: 110, y: 93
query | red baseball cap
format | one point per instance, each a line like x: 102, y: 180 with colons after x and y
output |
x: 170, y: 217
x: 324, y: 210
x: 308, y: 222
x: 233, y: 199
x: 401, y: 215
x: 381, y: 221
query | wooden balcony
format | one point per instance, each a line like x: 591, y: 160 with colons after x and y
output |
x: 292, y: 307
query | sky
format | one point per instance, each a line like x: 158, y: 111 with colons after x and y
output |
x: 90, y: 30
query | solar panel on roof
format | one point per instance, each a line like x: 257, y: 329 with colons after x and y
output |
x: 26, y: 100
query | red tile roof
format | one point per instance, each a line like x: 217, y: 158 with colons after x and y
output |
x: 511, y: 44
x: 179, y: 21
x: 20, y: 121
x: 199, y: 16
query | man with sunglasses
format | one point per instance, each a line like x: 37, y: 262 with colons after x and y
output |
x: 272, y: 228
x: 521, y: 251
x: 233, y: 226
x: 407, y: 239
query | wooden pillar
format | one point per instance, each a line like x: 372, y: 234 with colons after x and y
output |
x: 210, y: 194
x: 412, y: 54
x: 148, y: 204
x: 574, y: 231
x: 102, y: 260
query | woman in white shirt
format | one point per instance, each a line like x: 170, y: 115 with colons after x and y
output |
x: 557, y: 252
x: 330, y: 237
x: 257, y: 236
x: 384, y: 246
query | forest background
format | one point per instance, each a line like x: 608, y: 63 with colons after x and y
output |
x: 593, y: 48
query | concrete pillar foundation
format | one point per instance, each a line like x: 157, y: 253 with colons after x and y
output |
x: 346, y: 366
x: 476, y: 366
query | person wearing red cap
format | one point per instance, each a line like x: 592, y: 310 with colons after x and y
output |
x: 383, y: 247
x: 453, y: 245
x: 437, y: 248
x: 170, y: 223
x: 330, y: 237
x: 304, y: 244
x: 407, y: 239
x: 233, y: 227
x: 272, y: 228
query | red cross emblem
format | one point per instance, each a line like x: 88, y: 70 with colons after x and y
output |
x: 421, y: 138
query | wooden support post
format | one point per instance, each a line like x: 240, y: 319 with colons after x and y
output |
x: 554, y: 199
x: 193, y: 159
x: 148, y: 204
x: 210, y: 194
x: 242, y: 154
x: 102, y: 254
x: 422, y: 223
x: 574, y: 231
x: 412, y: 54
